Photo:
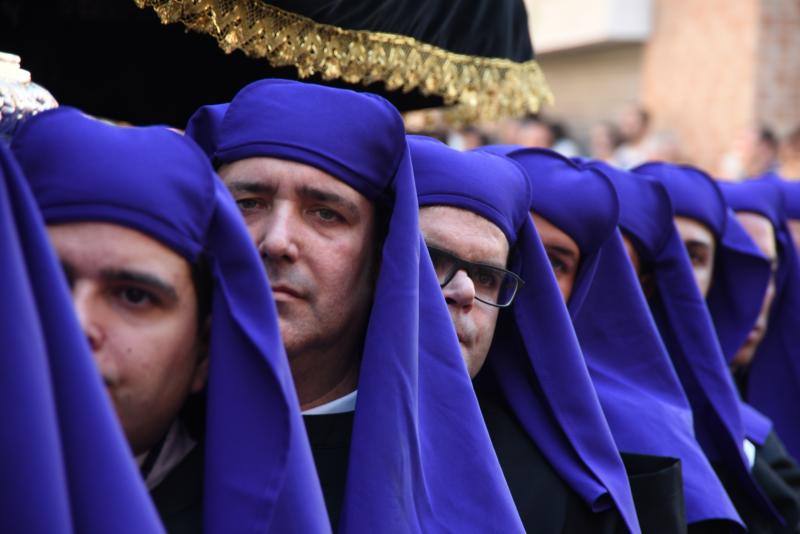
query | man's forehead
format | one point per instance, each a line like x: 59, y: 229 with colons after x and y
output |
x: 277, y: 173
x: 694, y: 230
x: 551, y: 234
x: 760, y: 230
x: 464, y: 233
x: 96, y: 246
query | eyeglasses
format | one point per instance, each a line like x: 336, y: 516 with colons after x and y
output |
x: 493, y: 286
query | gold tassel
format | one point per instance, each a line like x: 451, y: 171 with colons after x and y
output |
x: 475, y: 88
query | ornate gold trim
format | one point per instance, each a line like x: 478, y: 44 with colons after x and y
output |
x: 477, y: 88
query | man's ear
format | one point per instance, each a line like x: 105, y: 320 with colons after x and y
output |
x: 200, y: 376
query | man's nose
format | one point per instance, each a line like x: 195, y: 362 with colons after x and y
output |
x: 278, y: 241
x: 460, y: 291
x: 89, y: 316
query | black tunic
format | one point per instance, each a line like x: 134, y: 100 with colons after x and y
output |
x: 657, y: 488
x: 179, y: 497
x: 330, y: 436
x: 544, y: 501
x: 778, y: 476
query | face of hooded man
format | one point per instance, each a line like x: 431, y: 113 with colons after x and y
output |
x: 794, y: 229
x: 317, y: 238
x: 562, y: 251
x: 761, y: 231
x: 137, y: 304
x: 472, y: 238
x: 701, y: 248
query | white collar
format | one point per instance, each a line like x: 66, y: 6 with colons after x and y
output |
x: 177, y: 445
x: 750, y: 452
x: 341, y: 405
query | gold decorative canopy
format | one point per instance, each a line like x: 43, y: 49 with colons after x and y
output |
x: 474, y: 88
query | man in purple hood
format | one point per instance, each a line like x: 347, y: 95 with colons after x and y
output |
x: 324, y: 181
x: 180, y: 322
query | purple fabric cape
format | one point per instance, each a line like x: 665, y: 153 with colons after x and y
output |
x: 640, y: 392
x: 773, y: 383
x: 532, y: 363
x: 420, y: 457
x: 66, y: 466
x: 259, y: 473
x: 791, y: 196
x: 680, y: 312
x: 740, y: 273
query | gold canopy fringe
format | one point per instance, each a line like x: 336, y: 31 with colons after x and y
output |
x: 477, y: 88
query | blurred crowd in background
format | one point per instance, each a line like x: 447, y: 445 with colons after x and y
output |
x: 625, y: 140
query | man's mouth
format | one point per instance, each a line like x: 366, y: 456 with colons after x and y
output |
x: 281, y: 290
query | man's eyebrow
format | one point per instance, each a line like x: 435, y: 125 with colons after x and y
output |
x: 562, y: 250
x: 140, y: 278
x: 433, y: 244
x: 697, y: 243
x: 328, y: 197
x: 251, y: 186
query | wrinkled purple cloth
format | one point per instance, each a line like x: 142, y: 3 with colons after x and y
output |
x: 740, y: 273
x: 773, y: 378
x: 66, y: 464
x: 640, y: 392
x: 685, y: 325
x: 570, y: 430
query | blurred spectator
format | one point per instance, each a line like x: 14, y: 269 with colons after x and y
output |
x: 534, y: 132
x: 563, y: 143
x: 505, y: 131
x: 789, y: 156
x: 603, y: 141
x: 468, y: 138
x: 663, y: 146
x: 430, y: 122
x: 754, y: 152
x: 634, y: 127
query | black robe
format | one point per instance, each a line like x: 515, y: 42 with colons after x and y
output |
x: 657, y: 488
x: 547, y: 504
x: 179, y: 497
x: 778, y: 476
x: 330, y: 437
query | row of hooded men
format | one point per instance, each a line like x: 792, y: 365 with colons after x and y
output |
x: 316, y: 381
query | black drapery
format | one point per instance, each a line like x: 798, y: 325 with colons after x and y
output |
x: 139, y: 64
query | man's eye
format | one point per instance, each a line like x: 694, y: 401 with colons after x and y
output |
x: 559, y: 267
x: 135, y: 296
x: 487, y: 279
x: 698, y: 257
x: 246, y: 204
x: 327, y: 215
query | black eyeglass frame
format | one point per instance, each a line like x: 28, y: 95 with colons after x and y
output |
x: 464, y: 265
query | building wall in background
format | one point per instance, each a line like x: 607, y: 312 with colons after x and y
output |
x: 778, y: 80
x: 705, y: 69
x: 699, y: 73
x: 567, y: 24
x: 592, y: 85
